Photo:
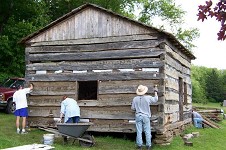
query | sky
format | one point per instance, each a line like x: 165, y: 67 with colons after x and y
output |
x: 209, y: 52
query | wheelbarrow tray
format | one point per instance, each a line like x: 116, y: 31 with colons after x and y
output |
x: 73, y: 129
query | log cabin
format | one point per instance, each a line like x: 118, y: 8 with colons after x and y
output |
x: 99, y: 58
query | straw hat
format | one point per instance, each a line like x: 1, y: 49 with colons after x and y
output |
x: 141, y: 90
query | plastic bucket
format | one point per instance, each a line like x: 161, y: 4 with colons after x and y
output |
x: 48, y: 139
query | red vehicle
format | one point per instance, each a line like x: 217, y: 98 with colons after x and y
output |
x: 7, y: 89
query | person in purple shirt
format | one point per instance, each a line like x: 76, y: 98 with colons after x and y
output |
x: 141, y: 105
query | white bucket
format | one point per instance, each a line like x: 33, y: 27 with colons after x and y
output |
x: 48, y: 139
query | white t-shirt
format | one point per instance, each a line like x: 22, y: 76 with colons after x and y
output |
x: 20, y: 98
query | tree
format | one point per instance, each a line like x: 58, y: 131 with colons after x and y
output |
x: 169, y: 17
x: 213, y: 86
x: 199, y: 80
x: 18, y: 18
x: 198, y: 93
x: 218, y: 11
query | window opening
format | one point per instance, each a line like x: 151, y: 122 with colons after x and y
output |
x: 87, y: 90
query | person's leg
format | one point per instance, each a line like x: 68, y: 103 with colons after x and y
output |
x: 199, y: 122
x: 23, y: 123
x: 24, y: 115
x: 17, y: 114
x: 70, y: 120
x: 196, y: 122
x: 147, y: 130
x: 139, y: 140
x: 18, y: 124
x: 76, y: 119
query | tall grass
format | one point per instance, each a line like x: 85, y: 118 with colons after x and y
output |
x: 209, y: 139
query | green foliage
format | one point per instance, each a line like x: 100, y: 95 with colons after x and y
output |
x: 213, y: 86
x: 18, y: 19
x: 169, y: 17
x: 208, y: 84
x: 60, y: 7
x: 198, y: 93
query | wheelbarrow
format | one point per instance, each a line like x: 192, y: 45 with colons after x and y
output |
x: 76, y: 131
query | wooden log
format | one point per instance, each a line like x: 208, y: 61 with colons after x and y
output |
x: 135, y: 37
x: 210, y: 123
x: 115, y: 54
x: 117, y: 45
x: 151, y: 63
x: 92, y: 76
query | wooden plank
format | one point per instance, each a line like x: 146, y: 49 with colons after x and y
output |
x: 169, y: 108
x: 44, y: 100
x: 135, y: 37
x: 177, y: 124
x: 93, y: 76
x: 97, y: 65
x: 54, y: 88
x: 170, y: 95
x: 180, y: 51
x: 93, y: 112
x: 172, y: 83
x: 177, y: 65
x: 176, y: 56
x: 172, y: 73
x: 141, y: 44
x: 32, y: 146
x: 128, y: 86
x: 115, y: 54
x: 210, y: 123
x: 113, y: 112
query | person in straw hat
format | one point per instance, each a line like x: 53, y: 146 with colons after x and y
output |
x: 141, y: 105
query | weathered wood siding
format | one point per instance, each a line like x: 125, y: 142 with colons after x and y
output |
x: 91, y: 23
x: 177, y: 67
x: 118, y: 66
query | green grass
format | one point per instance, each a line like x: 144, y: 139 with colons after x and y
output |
x: 209, y: 139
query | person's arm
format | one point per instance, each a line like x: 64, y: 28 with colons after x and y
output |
x: 133, y: 106
x: 31, y: 86
x: 61, y: 116
x: 155, y: 98
x: 62, y: 111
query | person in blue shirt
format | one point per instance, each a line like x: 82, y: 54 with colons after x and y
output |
x: 70, y: 110
x: 197, y: 118
x: 141, y: 105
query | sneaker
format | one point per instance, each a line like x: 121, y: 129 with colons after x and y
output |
x: 18, y: 131
x: 24, y: 132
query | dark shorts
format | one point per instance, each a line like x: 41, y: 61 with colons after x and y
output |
x: 21, y: 112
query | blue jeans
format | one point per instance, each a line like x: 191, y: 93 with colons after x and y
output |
x: 143, y: 122
x: 198, y: 122
x: 73, y: 119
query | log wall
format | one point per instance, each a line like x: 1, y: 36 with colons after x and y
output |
x: 177, y: 69
x: 118, y: 67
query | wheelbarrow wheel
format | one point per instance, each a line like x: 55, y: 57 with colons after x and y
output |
x: 86, y: 144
